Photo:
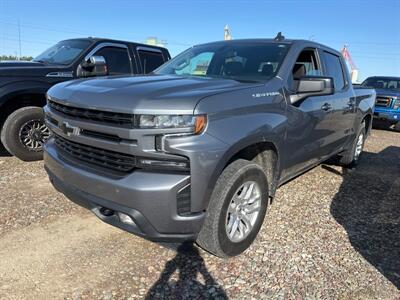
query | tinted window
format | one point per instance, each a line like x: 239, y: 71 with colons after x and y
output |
x: 307, y: 63
x: 117, y: 60
x: 334, y: 69
x: 251, y: 61
x: 382, y: 83
x: 64, y: 52
x: 198, y: 65
x: 150, y: 60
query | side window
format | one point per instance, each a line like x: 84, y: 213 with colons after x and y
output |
x: 306, y: 64
x: 150, y: 60
x: 117, y: 60
x: 334, y: 69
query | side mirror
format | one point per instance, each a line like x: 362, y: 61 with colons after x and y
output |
x: 94, y: 66
x: 313, y: 86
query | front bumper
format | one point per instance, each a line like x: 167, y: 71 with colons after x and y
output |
x: 149, y: 198
x: 387, y: 114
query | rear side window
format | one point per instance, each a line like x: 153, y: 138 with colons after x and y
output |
x: 334, y: 69
x: 150, y: 60
x: 117, y: 60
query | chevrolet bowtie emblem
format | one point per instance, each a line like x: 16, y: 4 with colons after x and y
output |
x: 69, y: 130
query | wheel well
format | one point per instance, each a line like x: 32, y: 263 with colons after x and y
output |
x: 264, y: 154
x: 18, y: 101
x: 367, y: 119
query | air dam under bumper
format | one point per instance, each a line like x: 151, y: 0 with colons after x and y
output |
x: 149, y: 198
x: 387, y: 114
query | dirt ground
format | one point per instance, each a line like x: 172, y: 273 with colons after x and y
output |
x: 330, y: 234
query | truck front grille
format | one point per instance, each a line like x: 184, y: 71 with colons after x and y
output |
x: 383, y: 101
x: 105, y: 117
x: 98, y: 157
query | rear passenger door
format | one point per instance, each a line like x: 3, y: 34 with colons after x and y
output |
x: 150, y: 58
x: 343, y: 103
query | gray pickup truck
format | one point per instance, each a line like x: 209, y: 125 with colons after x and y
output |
x: 196, y: 150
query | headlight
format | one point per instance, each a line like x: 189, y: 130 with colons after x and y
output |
x: 396, y: 104
x: 195, y: 122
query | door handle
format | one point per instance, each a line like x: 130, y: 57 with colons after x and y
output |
x: 326, y: 107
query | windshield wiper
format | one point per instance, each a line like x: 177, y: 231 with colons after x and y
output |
x: 242, y: 80
x: 42, y: 61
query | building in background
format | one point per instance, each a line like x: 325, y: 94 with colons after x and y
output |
x: 351, y: 64
x: 155, y: 42
x: 227, y: 33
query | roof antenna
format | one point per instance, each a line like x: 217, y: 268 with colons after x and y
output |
x: 279, y: 37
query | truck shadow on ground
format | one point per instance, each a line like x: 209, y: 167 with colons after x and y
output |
x: 367, y: 205
x: 188, y: 264
x: 384, y: 125
x: 3, y: 151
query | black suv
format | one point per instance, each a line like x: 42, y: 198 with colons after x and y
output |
x: 23, y: 85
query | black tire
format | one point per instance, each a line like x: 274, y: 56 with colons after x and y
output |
x: 349, y: 158
x: 213, y: 236
x: 11, y: 133
x: 397, y: 126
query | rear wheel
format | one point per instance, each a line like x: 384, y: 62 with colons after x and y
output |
x: 351, y: 157
x: 236, y: 211
x: 24, y: 133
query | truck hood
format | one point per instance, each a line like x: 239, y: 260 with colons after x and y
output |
x: 151, y: 94
x: 387, y: 92
x: 26, y: 69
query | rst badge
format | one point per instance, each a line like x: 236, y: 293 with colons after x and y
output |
x: 69, y: 130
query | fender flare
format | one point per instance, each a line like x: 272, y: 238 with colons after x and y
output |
x: 232, y: 151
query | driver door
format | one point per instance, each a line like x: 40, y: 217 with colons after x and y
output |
x: 309, y: 121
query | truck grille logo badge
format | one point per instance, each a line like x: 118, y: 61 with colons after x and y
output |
x: 69, y: 130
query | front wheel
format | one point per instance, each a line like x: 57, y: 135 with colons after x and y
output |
x: 236, y: 211
x: 351, y: 157
x: 24, y: 133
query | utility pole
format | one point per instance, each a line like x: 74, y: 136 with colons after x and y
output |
x: 19, y: 40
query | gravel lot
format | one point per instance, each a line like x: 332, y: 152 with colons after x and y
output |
x: 330, y: 234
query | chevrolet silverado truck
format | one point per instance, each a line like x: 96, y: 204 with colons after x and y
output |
x: 387, y: 106
x: 196, y: 150
x: 23, y: 84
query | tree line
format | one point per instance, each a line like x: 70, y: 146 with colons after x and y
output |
x: 13, y: 57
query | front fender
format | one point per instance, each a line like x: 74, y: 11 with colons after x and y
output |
x: 236, y: 148
x: 22, y: 87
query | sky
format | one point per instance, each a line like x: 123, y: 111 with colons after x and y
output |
x: 370, y: 28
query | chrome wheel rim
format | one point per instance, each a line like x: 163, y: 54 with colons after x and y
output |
x: 359, y: 146
x: 34, y: 134
x: 243, y: 211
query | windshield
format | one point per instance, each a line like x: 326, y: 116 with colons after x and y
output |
x: 382, y: 83
x: 63, y: 53
x: 250, y: 61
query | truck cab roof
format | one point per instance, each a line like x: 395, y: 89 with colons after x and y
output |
x: 293, y: 42
x: 99, y: 39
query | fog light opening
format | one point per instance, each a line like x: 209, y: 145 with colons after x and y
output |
x: 106, y: 211
x: 124, y: 218
x: 163, y: 164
